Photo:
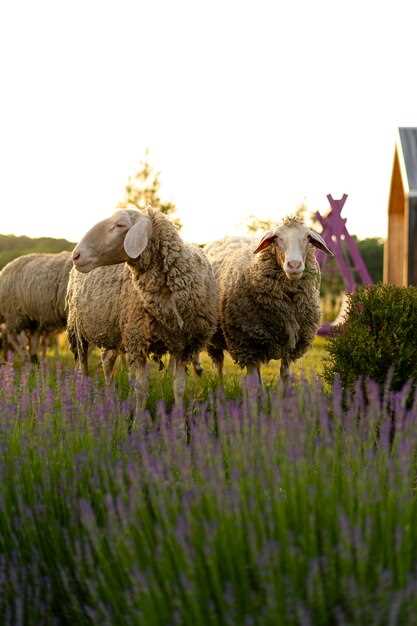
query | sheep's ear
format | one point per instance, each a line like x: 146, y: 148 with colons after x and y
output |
x: 137, y: 237
x: 266, y: 241
x: 317, y: 240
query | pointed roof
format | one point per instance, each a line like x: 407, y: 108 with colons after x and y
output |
x: 407, y: 149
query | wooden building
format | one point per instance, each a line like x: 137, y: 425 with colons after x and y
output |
x: 400, y: 255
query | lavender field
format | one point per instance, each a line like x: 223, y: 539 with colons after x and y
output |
x: 285, y: 508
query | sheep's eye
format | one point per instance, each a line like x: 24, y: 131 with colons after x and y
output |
x: 115, y: 227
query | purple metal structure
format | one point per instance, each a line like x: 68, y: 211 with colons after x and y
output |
x: 346, y: 251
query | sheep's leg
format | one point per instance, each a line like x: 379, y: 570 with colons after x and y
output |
x: 253, y: 387
x: 17, y: 345
x: 179, y: 382
x: 252, y: 370
x: 84, y: 363
x: 34, y: 341
x: 198, y: 369
x: 108, y: 359
x: 142, y: 384
x: 43, y: 344
x: 82, y: 351
x: 23, y: 341
x: 171, y: 365
x: 284, y: 370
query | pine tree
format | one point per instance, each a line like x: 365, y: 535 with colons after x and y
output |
x: 143, y: 188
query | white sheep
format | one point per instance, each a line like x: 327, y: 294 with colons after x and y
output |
x: 137, y: 287
x: 32, y: 297
x: 269, y: 296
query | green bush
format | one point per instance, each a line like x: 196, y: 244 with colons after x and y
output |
x: 379, y: 338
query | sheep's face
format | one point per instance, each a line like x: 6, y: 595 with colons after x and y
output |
x: 291, y: 243
x: 121, y: 237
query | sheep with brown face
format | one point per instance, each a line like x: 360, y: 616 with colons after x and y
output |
x: 269, y: 296
x: 137, y: 287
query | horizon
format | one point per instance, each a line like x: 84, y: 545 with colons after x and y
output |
x: 246, y: 232
x: 245, y: 111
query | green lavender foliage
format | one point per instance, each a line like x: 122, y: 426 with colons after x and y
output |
x: 273, y: 508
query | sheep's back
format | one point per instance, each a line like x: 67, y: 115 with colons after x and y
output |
x: 32, y: 291
x: 94, y: 302
x: 220, y: 253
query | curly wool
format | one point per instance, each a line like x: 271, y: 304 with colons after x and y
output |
x: 292, y: 220
x: 166, y: 301
x: 32, y: 292
x: 263, y: 315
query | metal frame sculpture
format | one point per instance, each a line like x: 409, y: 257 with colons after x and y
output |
x: 348, y: 257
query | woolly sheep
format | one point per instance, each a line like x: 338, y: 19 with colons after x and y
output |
x: 161, y: 299
x: 269, y: 296
x: 32, y: 297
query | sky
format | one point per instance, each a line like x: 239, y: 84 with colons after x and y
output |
x: 247, y: 108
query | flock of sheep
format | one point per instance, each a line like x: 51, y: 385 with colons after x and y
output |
x: 132, y: 286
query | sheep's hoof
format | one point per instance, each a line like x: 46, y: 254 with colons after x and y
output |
x: 34, y: 359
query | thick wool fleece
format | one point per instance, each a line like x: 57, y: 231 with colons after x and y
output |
x: 166, y: 301
x: 32, y: 292
x: 263, y: 315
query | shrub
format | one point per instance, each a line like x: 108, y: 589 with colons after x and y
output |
x: 378, y: 339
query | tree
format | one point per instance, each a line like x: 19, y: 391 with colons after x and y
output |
x: 372, y: 251
x: 143, y: 188
x: 12, y: 246
x: 256, y: 225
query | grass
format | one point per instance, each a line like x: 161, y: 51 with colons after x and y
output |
x: 279, y: 508
x: 199, y: 389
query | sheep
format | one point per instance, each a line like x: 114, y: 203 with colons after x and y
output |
x: 137, y: 287
x: 4, y: 344
x: 32, y: 297
x: 269, y: 296
x: 32, y: 303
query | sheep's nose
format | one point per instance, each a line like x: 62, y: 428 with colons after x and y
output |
x: 75, y: 256
x: 294, y: 265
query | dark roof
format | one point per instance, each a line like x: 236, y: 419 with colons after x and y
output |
x: 408, y: 137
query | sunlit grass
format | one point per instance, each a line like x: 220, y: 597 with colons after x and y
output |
x: 198, y: 388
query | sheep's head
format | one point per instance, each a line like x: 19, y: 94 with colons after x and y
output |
x: 121, y: 237
x: 291, y: 241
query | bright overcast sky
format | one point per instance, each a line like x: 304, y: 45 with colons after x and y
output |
x: 247, y: 108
